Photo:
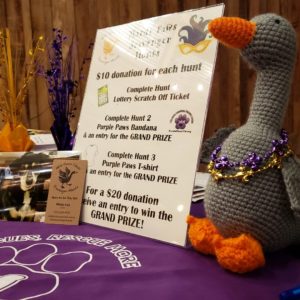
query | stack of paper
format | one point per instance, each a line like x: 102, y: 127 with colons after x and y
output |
x: 43, y: 140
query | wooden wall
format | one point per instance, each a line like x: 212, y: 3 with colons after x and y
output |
x: 233, y: 81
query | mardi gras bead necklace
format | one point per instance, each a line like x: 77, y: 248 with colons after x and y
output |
x: 220, y: 167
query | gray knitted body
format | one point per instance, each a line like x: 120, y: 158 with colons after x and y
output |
x: 262, y: 206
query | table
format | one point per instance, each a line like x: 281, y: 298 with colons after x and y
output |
x: 44, y: 261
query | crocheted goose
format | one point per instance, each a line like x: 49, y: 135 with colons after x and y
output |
x: 252, y: 201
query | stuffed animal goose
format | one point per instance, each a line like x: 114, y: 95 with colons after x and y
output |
x: 252, y: 201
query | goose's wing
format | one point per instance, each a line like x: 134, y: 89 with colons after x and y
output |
x: 210, y: 144
x: 291, y: 177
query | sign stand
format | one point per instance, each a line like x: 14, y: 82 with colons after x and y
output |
x: 142, y: 122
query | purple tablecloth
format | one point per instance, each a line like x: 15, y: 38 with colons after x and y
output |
x: 90, y: 262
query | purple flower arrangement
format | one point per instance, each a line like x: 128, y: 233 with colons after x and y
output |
x: 62, y: 89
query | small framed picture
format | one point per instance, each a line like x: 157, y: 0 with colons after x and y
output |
x: 24, y: 183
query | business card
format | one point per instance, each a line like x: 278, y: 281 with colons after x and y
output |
x: 66, y: 191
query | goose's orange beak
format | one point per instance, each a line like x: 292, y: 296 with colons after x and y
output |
x: 232, y: 32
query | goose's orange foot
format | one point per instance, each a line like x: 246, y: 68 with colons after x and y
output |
x: 203, y: 234
x: 241, y: 254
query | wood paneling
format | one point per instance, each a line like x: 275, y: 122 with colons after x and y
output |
x: 233, y: 81
x: 2, y: 14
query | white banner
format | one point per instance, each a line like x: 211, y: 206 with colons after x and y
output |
x: 142, y: 122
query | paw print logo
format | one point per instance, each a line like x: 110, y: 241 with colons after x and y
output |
x: 35, y: 271
x: 181, y: 121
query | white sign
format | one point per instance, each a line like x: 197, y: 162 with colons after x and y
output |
x: 142, y: 122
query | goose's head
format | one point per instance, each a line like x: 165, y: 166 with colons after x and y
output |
x: 266, y: 41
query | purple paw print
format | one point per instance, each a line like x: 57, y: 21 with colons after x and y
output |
x: 181, y: 121
x: 21, y: 270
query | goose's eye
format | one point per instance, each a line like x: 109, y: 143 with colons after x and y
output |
x: 277, y: 21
